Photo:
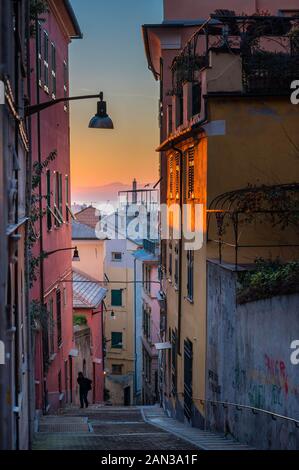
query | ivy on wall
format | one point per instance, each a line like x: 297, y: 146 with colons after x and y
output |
x: 268, y: 279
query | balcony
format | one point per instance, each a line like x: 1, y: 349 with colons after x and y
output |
x: 269, y: 72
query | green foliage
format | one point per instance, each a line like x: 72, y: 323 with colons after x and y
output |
x: 268, y: 279
x: 37, y: 8
x: 79, y: 320
x: 39, y: 315
x: 38, y: 169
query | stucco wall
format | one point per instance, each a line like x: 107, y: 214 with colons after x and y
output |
x: 248, y: 363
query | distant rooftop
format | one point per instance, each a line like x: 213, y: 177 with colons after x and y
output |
x: 87, y: 293
x: 83, y: 232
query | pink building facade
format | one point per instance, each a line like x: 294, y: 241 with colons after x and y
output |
x: 147, y: 323
x: 54, y: 345
x: 88, y: 306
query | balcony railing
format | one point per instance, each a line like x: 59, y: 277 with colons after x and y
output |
x: 277, y: 206
x: 269, y: 73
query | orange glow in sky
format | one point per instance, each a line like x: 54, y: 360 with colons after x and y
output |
x: 111, y: 58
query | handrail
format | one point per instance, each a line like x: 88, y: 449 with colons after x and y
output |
x: 247, y: 407
x: 254, y: 409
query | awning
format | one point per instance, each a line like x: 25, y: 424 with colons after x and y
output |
x: 162, y: 346
x: 74, y: 353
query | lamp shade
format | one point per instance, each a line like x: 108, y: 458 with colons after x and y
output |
x: 76, y: 256
x: 101, y: 120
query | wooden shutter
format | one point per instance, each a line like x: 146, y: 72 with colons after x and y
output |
x: 191, y: 173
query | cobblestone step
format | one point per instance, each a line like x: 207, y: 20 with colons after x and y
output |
x: 204, y: 440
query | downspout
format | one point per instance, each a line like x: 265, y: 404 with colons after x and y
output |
x: 16, y: 7
x: 30, y: 368
x: 41, y: 244
x: 135, y: 342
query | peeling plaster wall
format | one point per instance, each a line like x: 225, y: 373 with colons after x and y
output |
x: 248, y: 363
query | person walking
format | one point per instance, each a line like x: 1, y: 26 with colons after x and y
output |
x: 84, y: 388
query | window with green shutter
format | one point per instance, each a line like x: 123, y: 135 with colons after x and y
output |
x: 116, y: 298
x: 116, y: 340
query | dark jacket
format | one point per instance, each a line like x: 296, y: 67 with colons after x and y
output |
x: 84, y: 384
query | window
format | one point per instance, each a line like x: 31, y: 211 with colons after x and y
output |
x: 39, y: 49
x: 177, y: 176
x: 190, y: 274
x: 147, y: 278
x: 58, y: 318
x: 64, y: 297
x: 51, y: 327
x: 58, y: 199
x: 116, y: 297
x: 46, y: 61
x: 116, y: 340
x: 53, y: 73
x: 190, y: 180
x: 169, y: 119
x: 176, y: 266
x: 146, y: 321
x: 171, y: 176
x: 67, y: 200
x: 116, y: 256
x: 196, y: 98
x: 117, y: 369
x: 65, y: 83
x: 170, y: 262
x: 49, y: 215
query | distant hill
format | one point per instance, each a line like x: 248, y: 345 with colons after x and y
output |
x: 101, y: 194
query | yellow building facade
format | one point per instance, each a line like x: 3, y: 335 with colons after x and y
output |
x: 230, y: 139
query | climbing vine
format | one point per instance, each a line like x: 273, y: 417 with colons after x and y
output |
x: 37, y: 8
x: 38, y: 170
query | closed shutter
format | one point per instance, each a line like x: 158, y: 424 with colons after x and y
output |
x: 191, y: 173
x: 177, y: 176
x: 116, y: 298
x: 171, y: 176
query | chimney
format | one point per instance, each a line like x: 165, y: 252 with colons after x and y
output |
x: 134, y: 194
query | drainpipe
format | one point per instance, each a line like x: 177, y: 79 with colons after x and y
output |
x: 135, y: 342
x: 16, y: 267
x: 30, y: 367
x: 41, y: 244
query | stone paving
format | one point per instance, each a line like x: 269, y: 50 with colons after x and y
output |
x: 131, y: 428
x: 205, y: 440
x: 104, y: 429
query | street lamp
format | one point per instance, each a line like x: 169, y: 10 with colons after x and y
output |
x: 76, y: 256
x: 101, y: 120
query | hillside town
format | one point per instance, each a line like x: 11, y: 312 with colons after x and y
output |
x: 166, y: 319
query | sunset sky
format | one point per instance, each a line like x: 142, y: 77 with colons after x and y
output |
x: 111, y: 58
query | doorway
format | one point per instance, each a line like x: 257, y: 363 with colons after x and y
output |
x: 188, y: 363
x: 127, y: 396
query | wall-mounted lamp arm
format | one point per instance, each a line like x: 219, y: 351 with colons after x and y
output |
x: 35, y: 108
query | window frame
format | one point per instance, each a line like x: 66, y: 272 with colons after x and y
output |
x: 119, y: 343
x: 113, y: 292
